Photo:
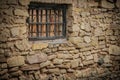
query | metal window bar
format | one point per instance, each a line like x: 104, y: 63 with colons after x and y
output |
x: 39, y: 22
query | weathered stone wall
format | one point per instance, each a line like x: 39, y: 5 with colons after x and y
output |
x: 90, y: 51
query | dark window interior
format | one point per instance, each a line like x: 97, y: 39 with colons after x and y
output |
x: 47, y: 21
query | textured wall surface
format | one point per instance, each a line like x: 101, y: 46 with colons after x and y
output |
x: 91, y: 50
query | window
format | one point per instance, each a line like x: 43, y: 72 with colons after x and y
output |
x: 47, y: 21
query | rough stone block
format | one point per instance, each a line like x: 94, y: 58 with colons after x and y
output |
x: 15, y: 61
x: 37, y: 58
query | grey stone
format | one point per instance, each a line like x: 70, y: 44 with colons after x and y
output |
x: 37, y: 58
x: 107, y: 4
x: 114, y: 50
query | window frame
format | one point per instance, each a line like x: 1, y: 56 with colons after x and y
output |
x: 44, y: 6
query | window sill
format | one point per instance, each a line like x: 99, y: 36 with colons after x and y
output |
x: 38, y: 45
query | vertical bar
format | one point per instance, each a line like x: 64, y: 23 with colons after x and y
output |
x: 46, y: 23
x: 58, y: 21
x: 32, y: 24
x: 37, y: 21
x: 41, y: 22
x: 55, y: 23
x: 29, y: 23
x: 64, y: 21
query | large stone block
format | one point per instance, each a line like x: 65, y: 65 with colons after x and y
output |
x: 20, y: 12
x: 22, y: 45
x: 15, y: 61
x: 75, y: 40
x: 37, y: 58
x: 37, y: 46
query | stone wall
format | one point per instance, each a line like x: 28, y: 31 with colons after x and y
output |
x: 91, y: 49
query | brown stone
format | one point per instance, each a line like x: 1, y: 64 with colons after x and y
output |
x: 3, y: 60
x: 44, y: 64
x: 107, y: 4
x: 15, y: 61
x: 30, y: 67
x: 12, y: 2
x: 4, y: 71
x: 75, y: 40
x: 4, y: 66
x: 37, y: 58
x: 64, y: 56
x: 88, y: 62
x: 14, y: 69
x: 24, y: 2
x: 57, y: 61
x: 87, y: 39
x: 114, y: 50
x: 75, y: 63
x: 55, y: 70
x: 20, y: 12
x: 22, y: 45
x: 37, y: 46
x: 18, y: 73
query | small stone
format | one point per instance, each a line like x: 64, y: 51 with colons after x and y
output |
x: 87, y: 39
x: 4, y: 71
x: 51, y: 57
x: 15, y: 31
x: 107, y: 59
x: 4, y: 35
x: 89, y: 57
x: 37, y: 58
x: 15, y: 61
x: 14, y: 69
x: 4, y: 66
x: 3, y: 60
x: 55, y: 70
x: 75, y: 63
x: 44, y: 64
x: 75, y: 28
x: 30, y: 67
x: 18, y: 73
x: 114, y: 50
x: 64, y: 56
x: 57, y: 61
x: 95, y: 56
x: 98, y: 32
x: 63, y: 71
x: 88, y: 62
